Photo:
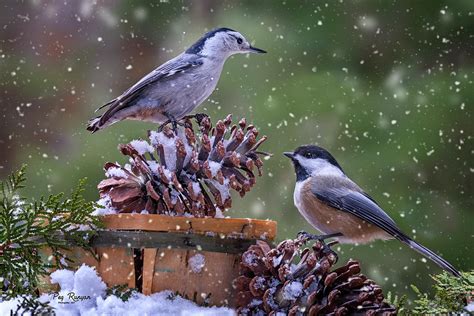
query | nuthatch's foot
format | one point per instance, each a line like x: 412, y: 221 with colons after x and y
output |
x: 308, y: 236
x: 174, y: 123
x: 198, y: 116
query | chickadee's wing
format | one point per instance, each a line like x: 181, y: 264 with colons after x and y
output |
x: 169, y: 69
x: 346, y: 196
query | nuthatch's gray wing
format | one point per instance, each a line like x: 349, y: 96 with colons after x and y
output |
x: 170, y: 69
x: 346, y: 197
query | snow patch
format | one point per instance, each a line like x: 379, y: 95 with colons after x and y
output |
x: 224, y: 189
x: 78, y: 292
x: 187, y: 146
x: 65, y: 279
x: 86, y: 283
x: 292, y: 291
x: 142, y: 146
x: 196, y: 187
x: 105, y: 207
x: 197, y: 263
x: 115, y: 172
x: 469, y: 307
x: 215, y: 167
x: 250, y: 258
x: 153, y: 166
x: 169, y: 147
x: 219, y: 213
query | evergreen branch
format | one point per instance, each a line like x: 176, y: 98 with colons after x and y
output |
x: 28, y: 226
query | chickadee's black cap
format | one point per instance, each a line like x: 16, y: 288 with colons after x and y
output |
x: 314, y: 152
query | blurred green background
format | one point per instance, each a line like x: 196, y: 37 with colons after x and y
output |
x: 386, y: 86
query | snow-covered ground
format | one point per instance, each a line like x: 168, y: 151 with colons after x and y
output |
x: 84, y: 293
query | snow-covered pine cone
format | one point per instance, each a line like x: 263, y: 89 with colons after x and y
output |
x: 185, y: 173
x: 297, y: 281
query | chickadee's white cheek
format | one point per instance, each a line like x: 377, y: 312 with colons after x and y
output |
x: 318, y: 166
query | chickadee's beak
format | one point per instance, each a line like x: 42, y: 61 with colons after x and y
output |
x: 256, y: 50
x: 289, y: 155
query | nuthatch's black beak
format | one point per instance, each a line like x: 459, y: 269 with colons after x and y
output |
x: 256, y: 50
x: 289, y: 155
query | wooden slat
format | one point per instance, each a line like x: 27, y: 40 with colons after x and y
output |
x: 116, y: 266
x: 141, y: 239
x: 212, y: 285
x: 245, y: 228
x: 148, y: 270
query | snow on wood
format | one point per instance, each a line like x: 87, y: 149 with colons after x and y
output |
x: 197, y: 263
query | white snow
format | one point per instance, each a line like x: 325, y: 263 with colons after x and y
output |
x: 167, y: 174
x: 255, y: 302
x: 65, y: 278
x: 153, y: 165
x: 10, y: 306
x: 83, y: 293
x: 277, y: 261
x: 260, y: 283
x: 249, y: 258
x: 197, y: 262
x: 469, y: 307
x: 105, y: 207
x: 292, y: 291
x: 215, y: 167
x: 187, y: 146
x: 196, y: 187
x: 142, y: 146
x: 169, y: 147
x: 219, y: 213
x: 224, y: 189
x: 78, y: 293
x: 115, y: 172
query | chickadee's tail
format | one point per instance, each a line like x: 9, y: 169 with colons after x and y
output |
x: 432, y: 256
x: 94, y: 125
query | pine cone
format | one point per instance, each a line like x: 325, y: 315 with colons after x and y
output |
x: 274, y: 280
x: 181, y: 173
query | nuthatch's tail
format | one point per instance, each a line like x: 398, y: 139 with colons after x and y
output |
x: 94, y: 125
x: 431, y: 255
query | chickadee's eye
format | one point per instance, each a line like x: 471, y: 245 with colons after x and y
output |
x: 308, y: 155
x: 239, y: 41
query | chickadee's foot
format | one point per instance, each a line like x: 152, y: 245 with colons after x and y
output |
x: 327, y: 250
x: 308, y: 236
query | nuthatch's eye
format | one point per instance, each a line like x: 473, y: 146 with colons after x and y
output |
x: 239, y: 41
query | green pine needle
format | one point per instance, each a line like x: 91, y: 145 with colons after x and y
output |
x: 451, y: 294
x: 26, y: 226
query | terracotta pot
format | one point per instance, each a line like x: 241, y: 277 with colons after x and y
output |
x: 195, y: 257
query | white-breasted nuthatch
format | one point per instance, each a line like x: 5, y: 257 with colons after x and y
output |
x: 335, y: 205
x: 177, y: 87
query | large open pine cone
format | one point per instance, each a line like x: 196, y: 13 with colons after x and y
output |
x: 182, y: 173
x: 273, y: 281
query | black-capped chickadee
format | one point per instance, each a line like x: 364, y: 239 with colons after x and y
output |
x: 332, y: 203
x: 176, y: 88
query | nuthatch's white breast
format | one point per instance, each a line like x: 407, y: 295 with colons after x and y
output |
x: 177, y: 87
x: 332, y: 203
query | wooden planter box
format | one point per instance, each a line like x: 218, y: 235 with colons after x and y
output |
x: 195, y: 257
